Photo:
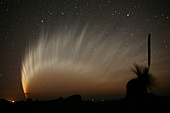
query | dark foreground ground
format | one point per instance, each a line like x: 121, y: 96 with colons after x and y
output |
x: 151, y: 103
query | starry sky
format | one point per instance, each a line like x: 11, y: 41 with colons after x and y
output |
x: 113, y: 34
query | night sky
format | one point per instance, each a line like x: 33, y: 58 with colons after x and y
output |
x: 89, y: 45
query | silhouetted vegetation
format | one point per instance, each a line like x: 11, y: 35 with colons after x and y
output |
x: 137, y: 87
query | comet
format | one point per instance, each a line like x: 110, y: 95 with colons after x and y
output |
x: 76, y: 60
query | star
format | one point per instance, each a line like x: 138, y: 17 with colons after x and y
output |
x: 62, y: 13
x: 131, y: 34
x: 128, y: 14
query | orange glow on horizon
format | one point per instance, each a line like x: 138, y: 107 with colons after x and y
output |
x: 26, y: 96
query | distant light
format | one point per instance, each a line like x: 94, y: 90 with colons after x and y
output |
x: 12, y: 101
x: 42, y: 21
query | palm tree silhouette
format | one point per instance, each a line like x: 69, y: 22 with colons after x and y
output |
x: 137, y: 87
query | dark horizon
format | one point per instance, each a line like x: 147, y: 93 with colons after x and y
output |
x: 74, y: 103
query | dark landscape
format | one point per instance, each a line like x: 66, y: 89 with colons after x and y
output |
x: 151, y: 103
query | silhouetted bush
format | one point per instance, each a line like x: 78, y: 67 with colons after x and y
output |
x: 137, y: 87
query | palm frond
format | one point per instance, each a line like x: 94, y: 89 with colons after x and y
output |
x: 143, y: 74
x: 137, y: 70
